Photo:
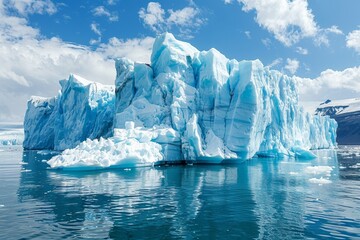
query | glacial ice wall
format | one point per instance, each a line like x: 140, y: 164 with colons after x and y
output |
x: 82, y: 110
x: 186, y: 105
x: 221, y: 108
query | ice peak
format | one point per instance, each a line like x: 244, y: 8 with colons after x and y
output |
x: 77, y: 80
x: 173, y: 48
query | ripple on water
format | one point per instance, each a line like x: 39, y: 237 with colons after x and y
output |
x: 265, y: 199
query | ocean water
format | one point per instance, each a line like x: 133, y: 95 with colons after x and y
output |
x: 256, y: 199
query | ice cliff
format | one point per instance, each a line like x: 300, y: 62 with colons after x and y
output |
x: 187, y: 104
x: 81, y: 110
x: 346, y: 112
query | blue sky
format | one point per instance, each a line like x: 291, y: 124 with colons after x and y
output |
x: 44, y: 40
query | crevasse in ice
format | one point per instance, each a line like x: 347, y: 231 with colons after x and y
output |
x: 199, y: 105
x: 82, y: 110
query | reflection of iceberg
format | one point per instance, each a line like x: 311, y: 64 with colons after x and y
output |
x: 140, y: 202
x: 209, y: 108
x: 259, y: 199
x: 288, y: 195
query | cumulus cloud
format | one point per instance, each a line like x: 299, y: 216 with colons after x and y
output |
x: 331, y: 84
x: 32, y: 64
x: 153, y: 16
x: 292, y: 65
x: 102, y: 11
x: 138, y: 49
x: 186, y: 20
x: 25, y: 7
x: 289, y: 21
x: 353, y: 40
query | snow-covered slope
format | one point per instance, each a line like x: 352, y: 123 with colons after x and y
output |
x: 347, y: 114
x: 82, y: 110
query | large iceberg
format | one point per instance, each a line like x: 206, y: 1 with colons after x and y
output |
x: 221, y: 108
x: 82, y: 110
x: 200, y: 106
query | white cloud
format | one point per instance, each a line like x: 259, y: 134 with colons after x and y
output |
x: 102, y: 11
x: 248, y: 34
x: 153, y: 16
x: 334, y: 29
x: 112, y: 2
x: 275, y: 63
x: 184, y: 17
x: 353, y: 40
x: 322, y: 37
x: 292, y: 65
x: 302, y: 51
x: 266, y: 42
x: 32, y: 64
x: 95, y: 28
x: 138, y: 49
x: 289, y: 21
x: 187, y: 19
x: 227, y: 1
x: 25, y: 7
x: 331, y: 84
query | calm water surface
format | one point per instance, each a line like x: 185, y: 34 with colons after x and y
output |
x: 257, y: 199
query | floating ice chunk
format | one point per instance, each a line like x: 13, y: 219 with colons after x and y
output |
x: 320, y: 181
x: 302, y: 153
x: 14, y: 136
x: 129, y: 147
x: 319, y: 170
x: 106, y: 153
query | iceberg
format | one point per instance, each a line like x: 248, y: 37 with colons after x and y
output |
x: 188, y: 105
x: 221, y: 108
x: 11, y: 134
x: 82, y: 110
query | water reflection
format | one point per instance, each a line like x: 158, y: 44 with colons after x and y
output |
x: 262, y: 198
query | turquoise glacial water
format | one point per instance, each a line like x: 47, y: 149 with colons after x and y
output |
x: 256, y: 199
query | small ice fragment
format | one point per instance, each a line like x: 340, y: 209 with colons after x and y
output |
x: 320, y: 181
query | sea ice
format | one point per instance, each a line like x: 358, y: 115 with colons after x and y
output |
x: 10, y: 136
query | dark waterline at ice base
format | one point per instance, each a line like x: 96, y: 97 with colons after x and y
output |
x: 256, y: 199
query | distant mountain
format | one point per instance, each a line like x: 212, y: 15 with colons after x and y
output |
x: 347, y: 114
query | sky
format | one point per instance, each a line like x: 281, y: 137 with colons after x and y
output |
x: 43, y: 41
